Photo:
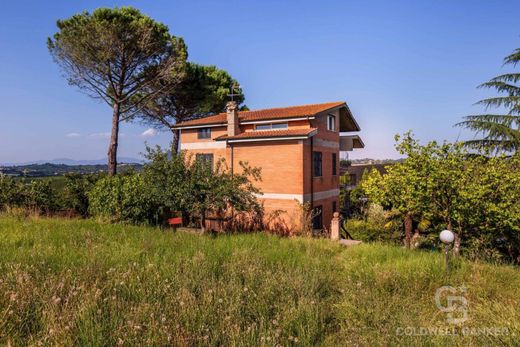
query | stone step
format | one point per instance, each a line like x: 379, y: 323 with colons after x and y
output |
x: 348, y: 243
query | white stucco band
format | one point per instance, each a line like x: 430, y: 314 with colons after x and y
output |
x: 203, y: 145
x: 300, y: 197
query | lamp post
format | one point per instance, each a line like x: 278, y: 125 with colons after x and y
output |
x: 447, y: 237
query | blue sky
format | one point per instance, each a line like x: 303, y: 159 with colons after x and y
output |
x: 400, y: 65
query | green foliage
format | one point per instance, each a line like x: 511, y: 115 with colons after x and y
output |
x: 167, y: 179
x: 116, y: 55
x: 175, y: 183
x: 374, y: 227
x: 122, y: 198
x: 9, y: 192
x: 501, y: 132
x: 202, y: 91
x: 35, y: 195
x: 76, y: 190
x: 77, y: 282
x: 217, y: 189
x: 39, y: 196
x: 205, y: 90
x: 113, y: 54
x: 442, y: 186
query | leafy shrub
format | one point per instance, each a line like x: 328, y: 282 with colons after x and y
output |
x: 75, y: 193
x: 9, y: 192
x: 374, y: 227
x: 122, y: 198
x: 39, y: 196
x: 36, y: 195
x: 169, y: 184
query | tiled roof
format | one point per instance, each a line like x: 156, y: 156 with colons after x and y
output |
x: 266, y: 114
x: 268, y: 134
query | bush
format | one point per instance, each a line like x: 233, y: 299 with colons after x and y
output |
x: 122, y: 198
x: 76, y: 190
x: 9, y: 192
x: 39, y: 196
x: 374, y: 227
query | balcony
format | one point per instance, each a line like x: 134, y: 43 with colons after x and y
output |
x: 348, y: 143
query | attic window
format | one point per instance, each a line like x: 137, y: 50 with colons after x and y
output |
x: 271, y: 126
x: 331, y: 123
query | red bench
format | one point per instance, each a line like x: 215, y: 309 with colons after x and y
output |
x: 175, y: 222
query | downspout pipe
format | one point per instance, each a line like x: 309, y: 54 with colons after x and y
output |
x: 312, y: 173
x: 232, y: 158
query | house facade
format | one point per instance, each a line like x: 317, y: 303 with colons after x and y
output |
x: 297, y: 149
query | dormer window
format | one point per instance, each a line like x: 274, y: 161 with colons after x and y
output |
x: 271, y: 126
x: 331, y: 123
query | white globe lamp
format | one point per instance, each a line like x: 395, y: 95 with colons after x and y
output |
x: 447, y: 236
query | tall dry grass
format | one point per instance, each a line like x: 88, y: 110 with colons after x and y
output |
x: 78, y: 282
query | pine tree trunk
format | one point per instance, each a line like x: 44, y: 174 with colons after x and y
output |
x: 114, y: 140
x: 408, y: 225
x: 456, y: 243
x: 175, y: 142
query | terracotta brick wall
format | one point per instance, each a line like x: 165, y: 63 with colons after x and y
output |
x: 190, y: 135
x: 281, y: 163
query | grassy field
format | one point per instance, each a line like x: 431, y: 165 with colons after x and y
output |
x: 71, y: 282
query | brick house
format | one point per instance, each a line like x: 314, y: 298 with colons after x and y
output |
x: 296, y: 147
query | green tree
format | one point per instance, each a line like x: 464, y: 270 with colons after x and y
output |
x: 448, y: 175
x: 444, y: 186
x: 115, y: 55
x: 215, y: 189
x: 404, y: 188
x: 167, y: 179
x: 202, y: 91
x: 500, y: 131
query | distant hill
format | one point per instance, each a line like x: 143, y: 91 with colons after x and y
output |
x: 48, y: 169
x: 67, y: 161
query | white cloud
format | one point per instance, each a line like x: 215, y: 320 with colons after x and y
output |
x: 73, y: 135
x: 149, y: 133
x: 100, y: 135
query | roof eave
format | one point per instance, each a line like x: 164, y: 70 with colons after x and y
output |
x: 198, y: 126
x: 271, y: 138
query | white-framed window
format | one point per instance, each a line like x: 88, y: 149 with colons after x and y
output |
x: 271, y: 126
x: 331, y: 123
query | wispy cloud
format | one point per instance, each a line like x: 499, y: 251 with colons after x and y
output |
x: 73, y: 135
x: 100, y: 135
x: 149, y: 133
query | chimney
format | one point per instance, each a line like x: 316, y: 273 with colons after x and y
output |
x: 232, y: 119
